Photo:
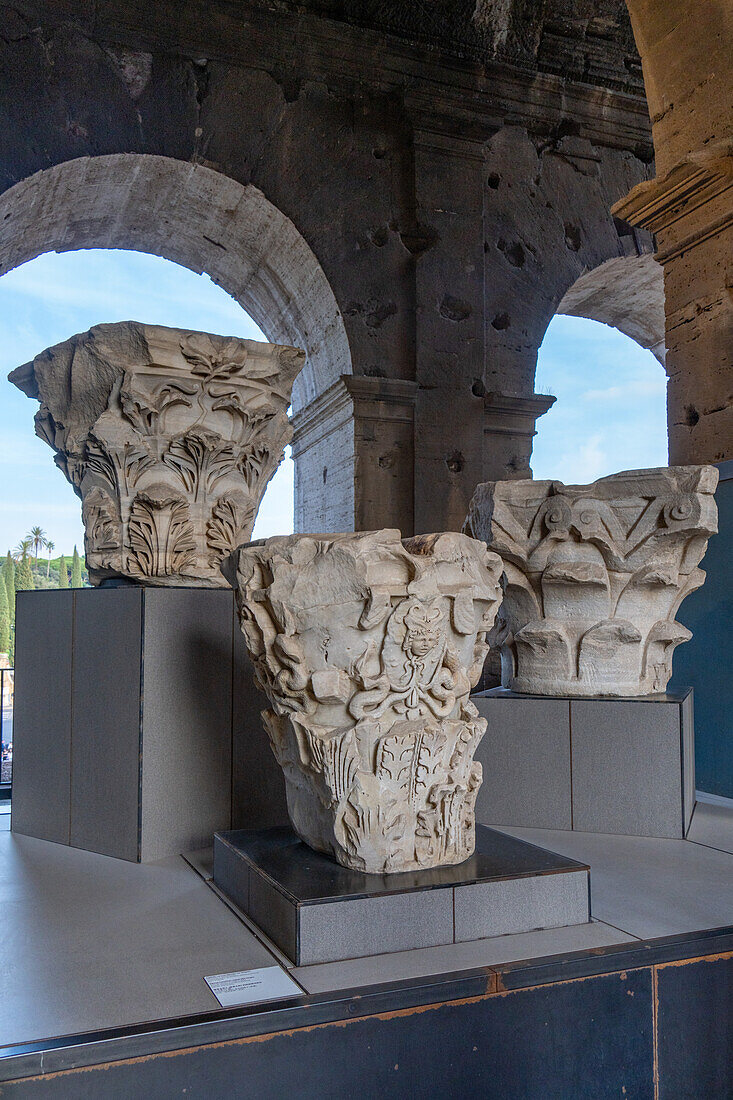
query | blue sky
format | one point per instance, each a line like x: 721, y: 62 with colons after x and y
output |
x: 609, y: 414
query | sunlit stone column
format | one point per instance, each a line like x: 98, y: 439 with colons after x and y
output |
x: 367, y: 647
x: 594, y: 575
x: 169, y: 437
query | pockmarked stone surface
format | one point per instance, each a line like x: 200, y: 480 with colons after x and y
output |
x: 367, y: 647
x: 594, y: 575
x: 169, y: 437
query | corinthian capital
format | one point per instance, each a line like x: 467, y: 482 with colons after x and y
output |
x: 169, y: 437
x: 367, y: 647
x: 594, y: 575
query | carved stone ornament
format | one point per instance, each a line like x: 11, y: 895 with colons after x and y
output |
x: 367, y: 647
x: 169, y: 437
x: 594, y: 575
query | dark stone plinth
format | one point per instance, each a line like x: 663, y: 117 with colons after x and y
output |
x: 316, y: 911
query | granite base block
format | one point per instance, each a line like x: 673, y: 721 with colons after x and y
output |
x: 137, y: 728
x: 620, y: 766
x: 316, y: 911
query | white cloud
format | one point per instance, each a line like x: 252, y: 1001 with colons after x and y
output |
x: 640, y: 387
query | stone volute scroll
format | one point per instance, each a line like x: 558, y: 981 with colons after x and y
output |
x: 367, y: 646
x: 169, y: 437
x: 594, y: 576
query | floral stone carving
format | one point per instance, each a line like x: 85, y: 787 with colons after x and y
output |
x: 594, y: 575
x: 367, y: 647
x: 169, y: 437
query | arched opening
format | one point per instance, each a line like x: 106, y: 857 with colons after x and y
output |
x: 602, y: 356
x: 55, y: 296
x: 199, y: 219
x: 627, y: 293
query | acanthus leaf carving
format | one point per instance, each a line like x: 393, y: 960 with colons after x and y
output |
x: 232, y: 519
x: 164, y: 414
x: 160, y: 535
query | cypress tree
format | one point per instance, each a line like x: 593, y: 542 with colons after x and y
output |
x: 76, y: 581
x: 4, y: 618
x: 63, y: 573
x: 9, y: 578
x: 23, y: 576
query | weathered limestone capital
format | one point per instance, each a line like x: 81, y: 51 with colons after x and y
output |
x: 594, y: 575
x: 169, y: 437
x: 367, y: 647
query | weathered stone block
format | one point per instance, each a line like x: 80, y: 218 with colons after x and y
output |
x: 367, y: 647
x: 594, y: 575
x: 169, y: 437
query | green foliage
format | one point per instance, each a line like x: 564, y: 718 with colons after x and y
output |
x: 76, y: 579
x: 23, y: 575
x: 63, y: 573
x: 9, y: 578
x: 4, y: 618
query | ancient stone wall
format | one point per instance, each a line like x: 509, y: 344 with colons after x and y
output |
x: 449, y: 201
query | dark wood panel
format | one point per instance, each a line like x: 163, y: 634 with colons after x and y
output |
x: 695, y: 1024
x: 590, y: 1038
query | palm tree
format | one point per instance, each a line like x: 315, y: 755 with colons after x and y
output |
x: 21, y: 550
x: 38, y: 540
x: 50, y: 546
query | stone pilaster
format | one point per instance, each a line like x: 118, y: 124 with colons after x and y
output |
x: 354, y: 455
x: 690, y: 212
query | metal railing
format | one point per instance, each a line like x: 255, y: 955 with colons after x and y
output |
x: 7, y: 696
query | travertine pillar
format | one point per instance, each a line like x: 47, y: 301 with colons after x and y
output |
x: 367, y: 648
x: 354, y: 456
x: 594, y: 575
x: 169, y: 437
x: 449, y: 322
x: 690, y: 212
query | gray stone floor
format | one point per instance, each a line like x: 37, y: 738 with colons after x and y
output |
x: 89, y: 941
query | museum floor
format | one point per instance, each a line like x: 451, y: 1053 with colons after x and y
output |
x: 90, y: 943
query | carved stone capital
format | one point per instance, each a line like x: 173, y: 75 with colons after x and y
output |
x: 692, y: 203
x: 169, y: 437
x: 505, y: 414
x: 509, y: 424
x: 594, y: 575
x: 367, y: 647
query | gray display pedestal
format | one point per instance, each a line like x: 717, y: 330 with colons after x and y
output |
x: 622, y: 766
x: 137, y: 729
x: 317, y: 911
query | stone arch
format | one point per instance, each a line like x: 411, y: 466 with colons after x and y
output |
x: 626, y: 292
x: 198, y: 218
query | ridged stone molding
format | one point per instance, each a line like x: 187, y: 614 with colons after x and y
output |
x: 169, y: 437
x: 367, y: 647
x: 594, y: 575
